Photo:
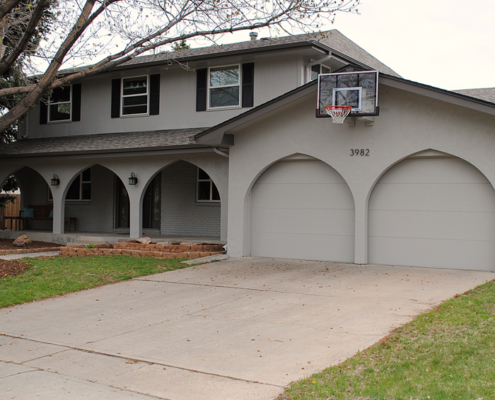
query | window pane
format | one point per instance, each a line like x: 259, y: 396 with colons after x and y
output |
x: 73, y: 193
x: 315, y: 70
x: 202, y: 174
x: 223, y: 97
x: 224, y: 76
x: 86, y: 191
x: 325, y: 70
x: 135, y: 85
x: 203, y: 190
x: 86, y: 175
x: 60, y: 94
x: 135, y: 110
x: 215, y: 195
x: 59, y: 112
x: 135, y: 101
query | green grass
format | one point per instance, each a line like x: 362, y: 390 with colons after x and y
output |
x: 59, y: 275
x: 448, y: 353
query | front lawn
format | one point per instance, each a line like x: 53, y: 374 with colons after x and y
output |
x: 448, y: 353
x: 59, y: 275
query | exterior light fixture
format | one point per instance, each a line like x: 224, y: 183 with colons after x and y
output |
x: 55, y: 181
x: 132, y: 179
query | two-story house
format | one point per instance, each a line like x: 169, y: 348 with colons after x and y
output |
x: 226, y: 143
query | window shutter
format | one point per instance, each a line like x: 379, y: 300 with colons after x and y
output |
x: 248, y: 85
x: 201, y: 89
x: 116, y: 98
x: 76, y: 102
x: 43, y: 112
x: 155, y: 94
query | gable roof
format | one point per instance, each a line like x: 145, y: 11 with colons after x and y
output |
x: 215, y: 135
x: 487, y: 94
x: 332, y: 40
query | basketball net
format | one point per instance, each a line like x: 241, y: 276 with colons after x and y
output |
x: 338, y: 113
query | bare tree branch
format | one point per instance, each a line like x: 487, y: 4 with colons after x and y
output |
x: 29, y: 32
x: 144, y: 26
x: 6, y: 6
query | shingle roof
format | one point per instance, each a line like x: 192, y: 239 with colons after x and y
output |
x: 487, y: 94
x: 332, y: 39
x: 107, y: 142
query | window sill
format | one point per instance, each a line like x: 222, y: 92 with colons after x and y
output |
x: 65, y: 121
x: 223, y: 108
x: 134, y: 115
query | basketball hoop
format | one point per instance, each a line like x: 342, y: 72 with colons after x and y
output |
x: 338, y: 113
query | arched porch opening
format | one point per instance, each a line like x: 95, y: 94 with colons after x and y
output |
x: 96, y: 201
x: 181, y: 201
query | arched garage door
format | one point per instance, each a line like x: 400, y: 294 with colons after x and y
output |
x: 433, y: 212
x: 304, y: 210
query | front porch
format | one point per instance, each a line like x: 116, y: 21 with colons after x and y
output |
x: 74, y: 238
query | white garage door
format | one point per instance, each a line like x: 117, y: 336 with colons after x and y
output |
x: 302, y: 210
x: 433, y: 212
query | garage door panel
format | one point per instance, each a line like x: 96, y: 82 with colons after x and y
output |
x: 299, y: 195
x: 434, y: 225
x: 302, y: 210
x: 305, y: 221
x: 300, y: 172
x: 441, y: 197
x: 446, y: 170
x: 304, y: 247
x: 436, y: 212
x: 455, y: 254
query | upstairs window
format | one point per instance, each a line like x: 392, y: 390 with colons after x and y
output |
x: 135, y: 95
x: 206, y: 189
x: 224, y: 87
x: 319, y: 69
x: 59, y: 104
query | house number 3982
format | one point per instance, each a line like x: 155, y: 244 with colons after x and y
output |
x: 360, y: 152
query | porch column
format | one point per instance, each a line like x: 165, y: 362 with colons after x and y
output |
x: 58, y: 210
x: 361, y: 230
x: 136, y: 213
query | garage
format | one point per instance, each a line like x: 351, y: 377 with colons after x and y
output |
x: 433, y: 211
x: 302, y: 209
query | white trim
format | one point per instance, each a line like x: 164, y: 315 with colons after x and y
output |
x: 122, y: 96
x: 48, y: 120
x: 349, y: 89
x: 208, y: 87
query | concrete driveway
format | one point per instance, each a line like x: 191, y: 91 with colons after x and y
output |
x: 238, y: 329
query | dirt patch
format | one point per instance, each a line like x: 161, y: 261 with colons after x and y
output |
x: 7, y: 244
x: 12, y: 268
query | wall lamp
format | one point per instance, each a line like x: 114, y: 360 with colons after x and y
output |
x: 132, y: 179
x: 55, y: 181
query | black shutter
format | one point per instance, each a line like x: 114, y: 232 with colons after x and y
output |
x: 248, y: 85
x: 201, y: 89
x: 155, y: 94
x: 76, y: 102
x: 43, y: 112
x: 115, y: 98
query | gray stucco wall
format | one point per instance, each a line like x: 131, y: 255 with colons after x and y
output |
x: 96, y: 215
x: 273, y: 77
x: 181, y: 214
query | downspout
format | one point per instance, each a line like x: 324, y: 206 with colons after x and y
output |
x: 26, y: 133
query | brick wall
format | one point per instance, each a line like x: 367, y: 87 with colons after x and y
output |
x: 96, y: 215
x: 181, y: 214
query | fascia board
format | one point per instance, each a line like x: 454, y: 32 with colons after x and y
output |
x: 438, y: 94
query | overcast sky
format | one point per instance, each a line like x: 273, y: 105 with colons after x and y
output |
x: 444, y: 43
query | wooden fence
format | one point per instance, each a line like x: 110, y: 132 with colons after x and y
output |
x: 11, y: 209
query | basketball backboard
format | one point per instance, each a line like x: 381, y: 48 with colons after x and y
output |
x: 357, y: 89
